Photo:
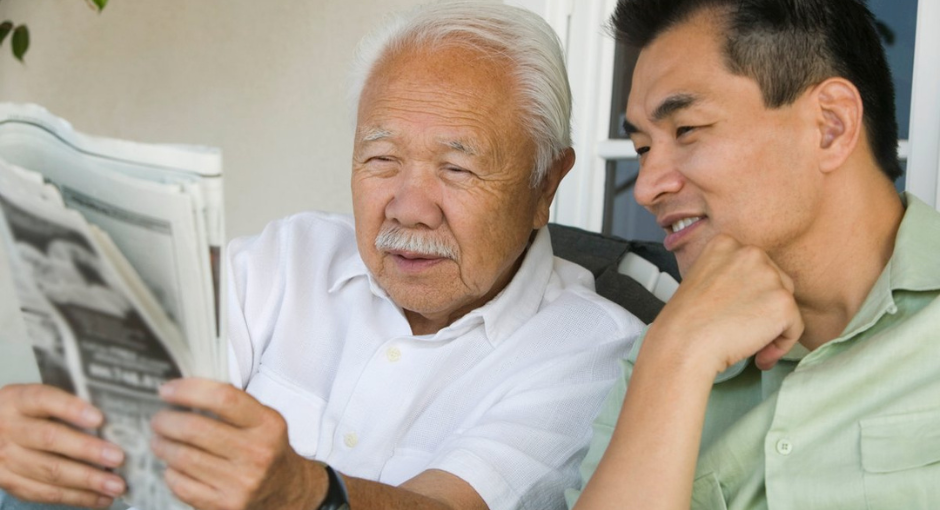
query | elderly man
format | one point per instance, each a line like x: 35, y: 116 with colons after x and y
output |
x: 797, y: 365
x: 430, y: 353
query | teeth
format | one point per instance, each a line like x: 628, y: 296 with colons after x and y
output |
x: 683, y: 224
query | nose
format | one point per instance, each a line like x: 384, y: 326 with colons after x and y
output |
x: 416, y: 199
x: 659, y: 177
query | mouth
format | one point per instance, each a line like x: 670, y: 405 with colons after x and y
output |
x: 414, y: 262
x: 683, y: 224
x: 678, y: 229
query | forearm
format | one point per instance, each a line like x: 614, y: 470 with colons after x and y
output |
x: 369, y: 494
x: 650, y: 462
x: 430, y: 490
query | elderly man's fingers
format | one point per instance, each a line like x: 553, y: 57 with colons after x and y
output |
x: 43, y: 401
x: 50, y: 436
x: 196, y: 464
x: 61, y: 472
x: 208, y: 434
x: 31, y: 490
x: 229, y: 403
x: 194, y: 492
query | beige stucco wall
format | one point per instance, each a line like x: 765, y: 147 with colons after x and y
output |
x: 263, y: 80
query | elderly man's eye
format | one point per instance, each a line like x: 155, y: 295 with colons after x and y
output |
x: 457, y: 170
x: 641, y: 150
x: 683, y: 130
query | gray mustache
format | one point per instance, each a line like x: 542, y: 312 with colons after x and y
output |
x: 401, y: 239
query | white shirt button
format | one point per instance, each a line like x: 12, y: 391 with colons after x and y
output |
x: 784, y: 447
x: 892, y: 309
x: 351, y: 439
x: 393, y: 354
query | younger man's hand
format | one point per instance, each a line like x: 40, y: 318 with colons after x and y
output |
x: 734, y: 303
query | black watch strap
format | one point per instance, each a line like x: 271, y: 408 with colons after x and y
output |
x: 336, y: 497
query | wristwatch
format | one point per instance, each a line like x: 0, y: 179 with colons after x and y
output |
x: 336, y: 497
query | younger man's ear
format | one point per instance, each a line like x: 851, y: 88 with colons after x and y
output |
x: 556, y: 172
x: 839, y: 121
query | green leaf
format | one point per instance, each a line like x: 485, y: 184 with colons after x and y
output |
x: 20, y: 42
x: 100, y: 4
x: 5, y: 28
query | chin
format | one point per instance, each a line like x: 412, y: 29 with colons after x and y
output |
x: 685, y: 260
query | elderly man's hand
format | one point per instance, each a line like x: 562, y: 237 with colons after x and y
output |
x: 240, y: 460
x: 43, y: 458
x: 734, y: 303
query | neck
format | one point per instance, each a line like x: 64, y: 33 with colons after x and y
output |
x: 421, y: 325
x: 840, y: 259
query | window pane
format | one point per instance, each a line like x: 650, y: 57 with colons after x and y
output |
x: 898, y: 21
x: 628, y: 219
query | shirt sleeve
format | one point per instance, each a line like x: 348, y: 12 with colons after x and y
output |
x: 524, y: 451
x: 603, y: 430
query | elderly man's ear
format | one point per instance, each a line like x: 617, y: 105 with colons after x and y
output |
x: 549, y: 186
x: 839, y: 120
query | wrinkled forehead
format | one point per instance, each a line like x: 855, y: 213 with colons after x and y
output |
x: 447, y: 88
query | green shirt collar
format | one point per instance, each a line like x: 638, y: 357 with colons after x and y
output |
x: 913, y: 265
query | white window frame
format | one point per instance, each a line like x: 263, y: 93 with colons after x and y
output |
x: 590, y: 51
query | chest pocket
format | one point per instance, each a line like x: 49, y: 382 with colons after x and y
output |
x: 706, y: 493
x: 901, y: 460
x: 302, y: 410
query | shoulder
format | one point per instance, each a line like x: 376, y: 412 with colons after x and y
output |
x: 319, y: 235
x: 571, y: 293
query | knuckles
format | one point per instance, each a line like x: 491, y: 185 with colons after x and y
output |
x: 227, y: 396
x: 52, y: 471
x: 49, y: 436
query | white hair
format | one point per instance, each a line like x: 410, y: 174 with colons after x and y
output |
x: 519, y: 35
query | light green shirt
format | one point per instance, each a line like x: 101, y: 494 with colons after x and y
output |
x: 853, y: 425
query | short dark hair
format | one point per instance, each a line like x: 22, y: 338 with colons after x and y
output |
x: 787, y: 46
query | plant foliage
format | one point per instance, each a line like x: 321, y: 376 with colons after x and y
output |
x: 20, y: 39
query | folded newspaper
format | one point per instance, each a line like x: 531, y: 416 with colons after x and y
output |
x: 114, y: 251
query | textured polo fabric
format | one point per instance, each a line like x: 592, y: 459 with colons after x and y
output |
x: 502, y: 398
x: 854, y: 424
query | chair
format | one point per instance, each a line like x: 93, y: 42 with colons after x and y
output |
x: 637, y: 275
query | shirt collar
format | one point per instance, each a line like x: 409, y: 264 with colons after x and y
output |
x: 503, y: 314
x: 521, y: 298
x: 912, y: 266
x: 345, y: 267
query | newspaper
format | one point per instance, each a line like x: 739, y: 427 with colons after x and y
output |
x: 114, y: 249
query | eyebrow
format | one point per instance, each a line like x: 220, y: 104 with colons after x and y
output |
x: 465, y: 147
x: 462, y: 146
x: 376, y: 134
x: 667, y: 107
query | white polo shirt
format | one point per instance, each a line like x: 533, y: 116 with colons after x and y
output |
x: 503, y: 398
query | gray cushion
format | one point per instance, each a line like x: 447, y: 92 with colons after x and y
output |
x: 600, y: 254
